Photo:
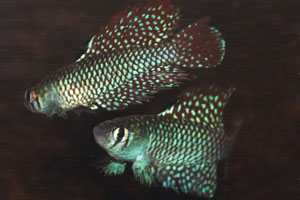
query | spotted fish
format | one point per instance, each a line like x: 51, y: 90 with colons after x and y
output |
x: 178, y: 148
x: 138, y: 53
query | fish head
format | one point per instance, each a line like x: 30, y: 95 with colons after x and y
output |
x: 122, y: 138
x: 42, y: 100
x: 31, y: 100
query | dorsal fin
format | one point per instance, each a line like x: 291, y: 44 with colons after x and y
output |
x: 201, y: 104
x: 138, y: 26
x: 83, y: 48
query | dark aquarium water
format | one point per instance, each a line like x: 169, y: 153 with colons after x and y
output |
x: 42, y: 158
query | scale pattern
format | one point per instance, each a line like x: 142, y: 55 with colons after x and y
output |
x: 180, y: 147
x: 137, y: 27
x: 174, y: 141
x: 200, y: 45
x: 118, y: 80
x: 138, y: 53
x: 201, y: 108
x: 200, y: 179
x: 188, y: 139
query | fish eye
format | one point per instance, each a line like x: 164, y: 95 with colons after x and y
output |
x: 121, y: 134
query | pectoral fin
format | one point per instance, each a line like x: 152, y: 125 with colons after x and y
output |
x: 114, y: 168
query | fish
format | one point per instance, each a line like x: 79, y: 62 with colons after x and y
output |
x: 178, y: 148
x: 139, y: 52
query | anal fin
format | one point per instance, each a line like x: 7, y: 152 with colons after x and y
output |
x: 199, y: 179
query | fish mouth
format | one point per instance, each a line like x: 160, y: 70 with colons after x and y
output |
x: 30, y: 107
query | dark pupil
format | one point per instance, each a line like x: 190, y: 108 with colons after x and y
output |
x: 121, y: 133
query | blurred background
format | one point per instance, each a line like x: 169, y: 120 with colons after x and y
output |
x: 42, y: 158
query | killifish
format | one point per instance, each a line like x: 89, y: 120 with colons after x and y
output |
x: 178, y: 148
x: 139, y: 52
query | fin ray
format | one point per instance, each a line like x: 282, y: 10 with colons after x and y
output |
x: 201, y: 104
x: 200, y: 179
x: 200, y: 45
x: 136, y: 27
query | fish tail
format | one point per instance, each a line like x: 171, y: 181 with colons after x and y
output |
x: 199, y: 45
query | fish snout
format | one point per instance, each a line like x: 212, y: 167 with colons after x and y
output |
x: 101, y: 136
x: 31, y: 101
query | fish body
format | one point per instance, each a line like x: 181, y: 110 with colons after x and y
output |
x: 138, y: 53
x: 178, y: 148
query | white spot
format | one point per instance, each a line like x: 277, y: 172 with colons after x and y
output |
x: 91, y: 42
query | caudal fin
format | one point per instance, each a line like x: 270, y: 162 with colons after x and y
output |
x: 199, y: 45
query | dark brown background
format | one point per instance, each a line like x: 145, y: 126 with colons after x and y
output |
x: 51, y: 159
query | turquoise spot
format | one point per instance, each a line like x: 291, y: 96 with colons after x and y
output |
x: 180, y: 168
x: 216, y: 98
x: 128, y: 15
x: 216, y: 111
x: 187, y: 110
x: 193, y: 112
x: 206, y: 111
x: 211, y: 106
x: 164, y: 184
x: 206, y: 119
x: 179, y: 108
x: 220, y: 104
